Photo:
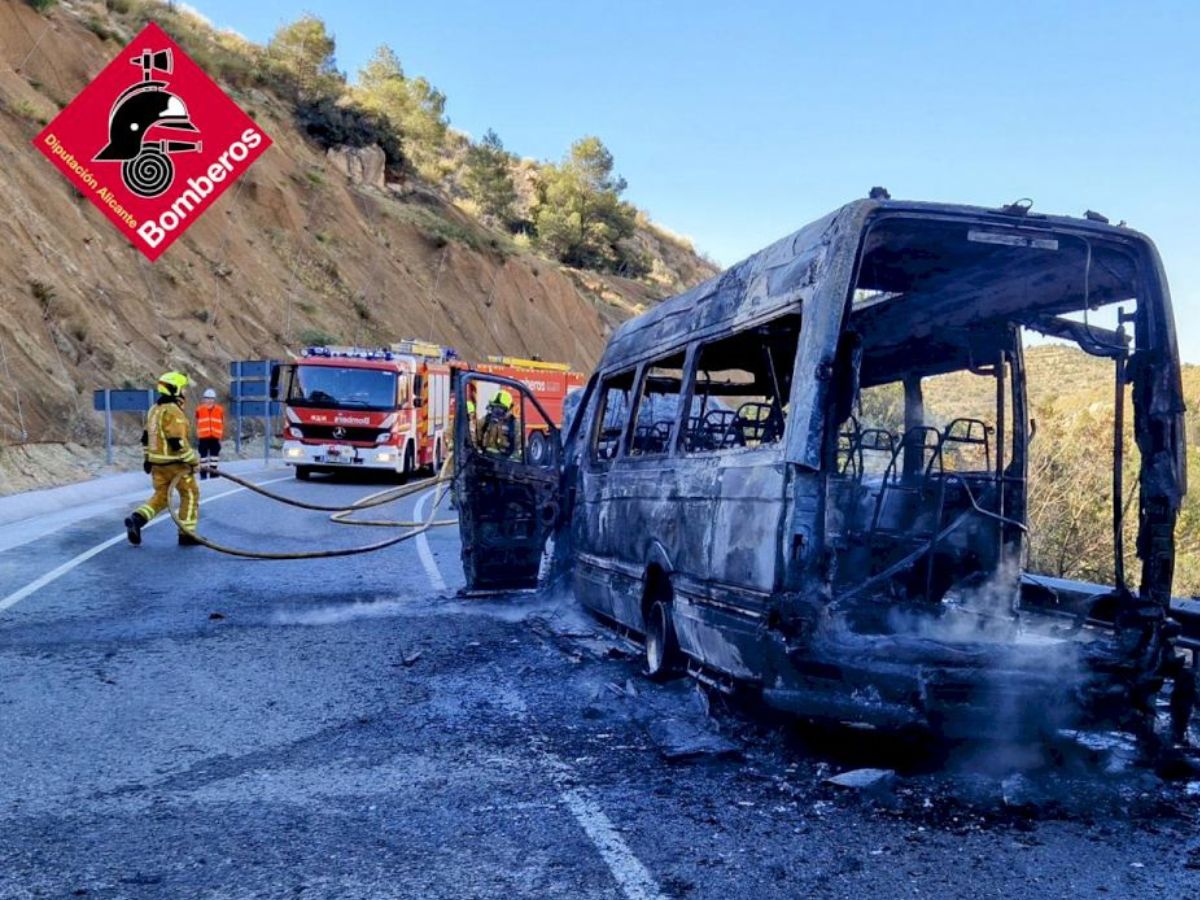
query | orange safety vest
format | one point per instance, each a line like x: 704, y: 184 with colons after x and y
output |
x: 210, y: 421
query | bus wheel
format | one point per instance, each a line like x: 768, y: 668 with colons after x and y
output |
x: 662, y: 648
x: 303, y: 473
x: 539, y: 448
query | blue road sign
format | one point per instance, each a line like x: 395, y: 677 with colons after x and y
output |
x: 252, y: 408
x: 250, y: 390
x: 250, y: 368
x: 123, y: 400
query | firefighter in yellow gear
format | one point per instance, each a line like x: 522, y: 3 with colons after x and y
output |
x: 499, y: 433
x: 167, y: 455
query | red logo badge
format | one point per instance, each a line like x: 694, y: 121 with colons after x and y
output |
x: 152, y: 141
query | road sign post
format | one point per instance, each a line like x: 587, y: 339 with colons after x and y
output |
x: 108, y: 453
x: 250, y: 390
x: 111, y: 400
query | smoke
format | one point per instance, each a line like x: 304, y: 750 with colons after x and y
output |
x: 342, y: 613
x: 510, y: 608
x: 1023, y: 671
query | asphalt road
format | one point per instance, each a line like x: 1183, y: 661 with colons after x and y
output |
x: 174, y: 723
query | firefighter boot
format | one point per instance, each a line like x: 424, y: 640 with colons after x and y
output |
x: 186, y: 539
x: 133, y: 528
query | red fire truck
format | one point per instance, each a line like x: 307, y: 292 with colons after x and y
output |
x: 391, y: 409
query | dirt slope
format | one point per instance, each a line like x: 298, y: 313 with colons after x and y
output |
x: 295, y: 252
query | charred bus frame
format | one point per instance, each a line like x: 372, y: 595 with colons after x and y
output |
x: 715, y: 495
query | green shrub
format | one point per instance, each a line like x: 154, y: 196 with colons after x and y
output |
x: 315, y: 337
x: 43, y: 293
x: 100, y: 29
x: 331, y: 124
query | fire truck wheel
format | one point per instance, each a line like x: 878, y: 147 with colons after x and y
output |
x: 539, y: 448
x: 303, y: 473
x: 409, y: 463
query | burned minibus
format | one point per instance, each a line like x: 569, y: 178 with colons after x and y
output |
x: 754, y: 483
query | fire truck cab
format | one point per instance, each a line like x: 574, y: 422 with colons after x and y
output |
x: 353, y: 408
x: 391, y: 408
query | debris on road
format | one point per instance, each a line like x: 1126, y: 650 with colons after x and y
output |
x: 625, y: 690
x: 1017, y: 792
x: 678, y: 741
x: 869, y: 780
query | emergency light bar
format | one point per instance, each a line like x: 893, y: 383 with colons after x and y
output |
x: 519, y: 363
x: 349, y: 353
x: 414, y: 347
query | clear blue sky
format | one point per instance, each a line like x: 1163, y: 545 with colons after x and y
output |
x: 736, y: 123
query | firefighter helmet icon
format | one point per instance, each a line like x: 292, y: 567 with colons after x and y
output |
x: 146, y: 166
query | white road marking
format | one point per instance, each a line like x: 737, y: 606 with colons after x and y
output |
x: 36, y: 585
x: 631, y: 875
x: 635, y: 880
x: 426, y: 555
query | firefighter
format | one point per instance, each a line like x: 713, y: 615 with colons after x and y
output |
x: 210, y: 431
x: 472, y: 416
x: 499, y: 434
x: 167, y: 456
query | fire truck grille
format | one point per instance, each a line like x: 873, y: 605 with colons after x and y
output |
x: 326, y: 433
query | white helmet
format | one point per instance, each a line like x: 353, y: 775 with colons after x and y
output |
x: 210, y: 394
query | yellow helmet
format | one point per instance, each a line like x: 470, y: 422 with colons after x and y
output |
x: 504, y: 398
x: 172, y: 384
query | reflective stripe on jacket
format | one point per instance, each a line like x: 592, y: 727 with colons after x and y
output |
x: 166, y: 423
x: 210, y: 421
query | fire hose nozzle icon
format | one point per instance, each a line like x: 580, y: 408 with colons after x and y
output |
x: 146, y: 166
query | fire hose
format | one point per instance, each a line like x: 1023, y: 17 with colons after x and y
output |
x: 340, y: 515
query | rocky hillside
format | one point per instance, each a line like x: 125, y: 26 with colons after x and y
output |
x: 312, y: 245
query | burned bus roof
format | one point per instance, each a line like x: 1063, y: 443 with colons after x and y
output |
x: 784, y: 274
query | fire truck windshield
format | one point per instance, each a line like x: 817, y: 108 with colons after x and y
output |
x: 327, y: 386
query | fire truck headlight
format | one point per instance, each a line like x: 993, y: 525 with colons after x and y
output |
x: 383, y: 457
x: 295, y: 432
x: 383, y: 437
x: 293, y: 453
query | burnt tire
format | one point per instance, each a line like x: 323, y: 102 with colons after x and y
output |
x: 663, y: 657
x: 303, y: 473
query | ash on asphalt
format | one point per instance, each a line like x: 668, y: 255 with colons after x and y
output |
x: 1080, y: 776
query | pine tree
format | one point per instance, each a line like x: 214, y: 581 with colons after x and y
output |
x: 580, y: 217
x: 488, y: 179
x: 303, y: 53
x: 414, y: 106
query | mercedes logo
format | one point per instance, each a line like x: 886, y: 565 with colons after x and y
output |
x: 339, y: 432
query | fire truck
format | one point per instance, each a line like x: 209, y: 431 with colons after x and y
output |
x: 391, y: 409
x: 549, y: 382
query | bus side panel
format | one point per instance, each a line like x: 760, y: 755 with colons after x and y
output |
x: 720, y: 638
x: 749, y: 508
